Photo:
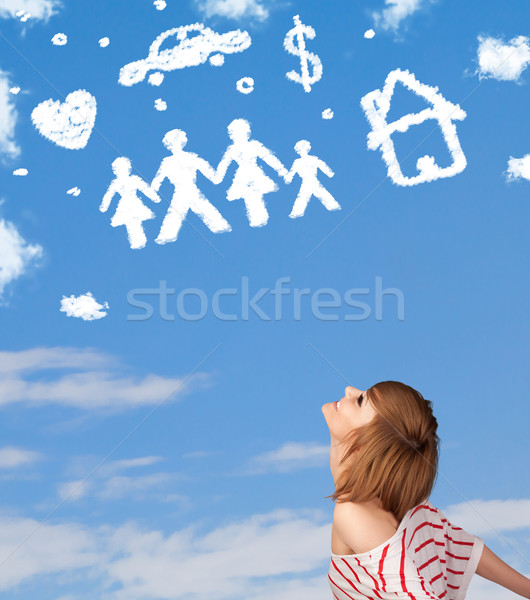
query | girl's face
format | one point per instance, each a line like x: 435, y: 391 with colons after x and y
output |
x: 353, y: 411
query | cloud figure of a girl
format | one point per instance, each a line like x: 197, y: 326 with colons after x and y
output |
x: 130, y: 211
x: 250, y: 182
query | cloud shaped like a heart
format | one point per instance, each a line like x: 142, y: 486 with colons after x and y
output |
x: 69, y: 123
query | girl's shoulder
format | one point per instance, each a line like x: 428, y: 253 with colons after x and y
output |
x: 363, y: 526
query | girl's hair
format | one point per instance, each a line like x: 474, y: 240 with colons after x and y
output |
x: 395, y: 456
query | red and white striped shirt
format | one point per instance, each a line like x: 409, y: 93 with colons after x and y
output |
x: 426, y: 559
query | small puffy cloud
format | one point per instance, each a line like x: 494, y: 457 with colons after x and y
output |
x: 38, y: 9
x: 8, y: 119
x: 518, y: 168
x: 16, y: 255
x: 234, y: 9
x: 59, y: 39
x: 85, y: 307
x: 395, y: 12
x: 289, y: 457
x: 11, y: 457
x: 503, y: 61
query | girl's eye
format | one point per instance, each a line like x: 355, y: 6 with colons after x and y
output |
x: 360, y: 400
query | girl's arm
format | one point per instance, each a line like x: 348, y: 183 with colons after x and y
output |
x: 491, y: 567
x: 222, y: 167
x: 288, y: 177
x: 148, y: 190
x: 109, y: 194
x: 268, y: 157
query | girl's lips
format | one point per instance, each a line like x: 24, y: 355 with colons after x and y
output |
x: 337, y: 405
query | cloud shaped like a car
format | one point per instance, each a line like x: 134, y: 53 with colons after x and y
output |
x: 191, y: 50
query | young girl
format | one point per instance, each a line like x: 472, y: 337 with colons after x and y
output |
x: 388, y: 541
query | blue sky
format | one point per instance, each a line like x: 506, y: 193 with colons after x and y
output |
x: 203, y: 439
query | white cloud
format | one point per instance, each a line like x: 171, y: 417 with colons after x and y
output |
x: 518, y: 168
x: 51, y: 549
x: 271, y: 556
x: 234, y: 9
x: 16, y: 255
x: 84, y: 307
x: 146, y: 564
x: 11, y: 457
x: 58, y: 357
x: 128, y: 463
x: 395, y: 12
x: 502, y: 61
x: 74, y: 490
x: 199, y: 454
x: 106, y: 482
x: 8, y: 119
x: 289, y: 457
x: 38, y: 9
x: 482, y: 517
x: 130, y: 487
x: 95, y: 384
x: 482, y: 589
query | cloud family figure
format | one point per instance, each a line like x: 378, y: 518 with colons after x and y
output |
x: 250, y: 184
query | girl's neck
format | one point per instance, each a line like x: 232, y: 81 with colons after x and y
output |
x: 335, y: 454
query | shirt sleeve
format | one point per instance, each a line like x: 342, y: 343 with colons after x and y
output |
x: 463, y: 552
x: 446, y: 556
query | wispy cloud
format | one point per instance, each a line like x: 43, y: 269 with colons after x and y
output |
x: 234, y: 9
x: 482, y: 589
x: 38, y: 9
x: 199, y: 454
x: 137, y: 488
x: 146, y: 564
x: 500, y: 60
x: 16, y: 256
x: 12, y: 457
x: 396, y: 11
x: 95, y: 384
x: 292, y: 456
x: 263, y: 557
x: 483, y: 515
x: 109, y: 482
x: 8, y: 119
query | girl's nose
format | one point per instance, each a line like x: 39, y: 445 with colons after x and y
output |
x: 349, y: 390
